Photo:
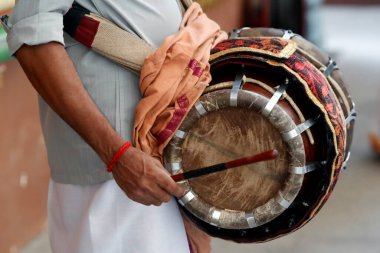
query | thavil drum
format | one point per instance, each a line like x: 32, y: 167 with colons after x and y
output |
x: 271, y: 89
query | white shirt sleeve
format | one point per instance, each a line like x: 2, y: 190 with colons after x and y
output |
x: 35, y: 22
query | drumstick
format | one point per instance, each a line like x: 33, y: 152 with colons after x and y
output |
x: 267, y: 155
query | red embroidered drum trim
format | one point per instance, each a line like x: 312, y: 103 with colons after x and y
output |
x: 339, y: 136
x: 179, y: 114
x: 321, y: 89
x: 276, y: 47
x: 323, y: 94
x: 86, y: 31
x: 314, y: 90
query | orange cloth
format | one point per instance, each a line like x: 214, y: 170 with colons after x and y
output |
x: 172, y: 79
x: 199, y: 241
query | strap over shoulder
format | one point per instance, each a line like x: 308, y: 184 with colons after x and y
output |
x: 106, y: 38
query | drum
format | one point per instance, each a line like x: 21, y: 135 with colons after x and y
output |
x: 267, y: 92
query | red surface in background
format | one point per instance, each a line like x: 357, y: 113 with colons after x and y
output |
x: 24, y: 171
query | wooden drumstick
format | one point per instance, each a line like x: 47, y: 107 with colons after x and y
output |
x: 265, y: 156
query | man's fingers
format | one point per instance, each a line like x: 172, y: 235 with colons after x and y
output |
x: 159, y: 194
x: 171, y: 187
x: 152, y: 192
x: 145, y: 180
x: 168, y: 184
x: 178, y: 191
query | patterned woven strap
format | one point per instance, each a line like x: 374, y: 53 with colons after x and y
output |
x: 107, y: 38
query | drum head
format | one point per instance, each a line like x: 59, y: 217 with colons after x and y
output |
x: 222, y: 133
x: 229, y: 134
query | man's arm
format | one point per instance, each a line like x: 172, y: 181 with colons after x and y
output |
x: 53, y: 75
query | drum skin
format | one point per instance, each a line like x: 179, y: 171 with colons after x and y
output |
x: 263, y: 201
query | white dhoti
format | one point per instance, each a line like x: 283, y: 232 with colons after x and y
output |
x: 102, y: 219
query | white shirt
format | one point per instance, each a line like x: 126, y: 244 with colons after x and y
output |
x: 114, y: 89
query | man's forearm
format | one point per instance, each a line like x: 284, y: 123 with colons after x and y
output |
x: 56, y: 80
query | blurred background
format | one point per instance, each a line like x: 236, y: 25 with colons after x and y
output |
x: 347, y: 29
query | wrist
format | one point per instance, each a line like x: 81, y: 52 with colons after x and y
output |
x: 107, y: 145
x: 118, y: 155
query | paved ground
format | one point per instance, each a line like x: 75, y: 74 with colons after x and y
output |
x: 348, y: 222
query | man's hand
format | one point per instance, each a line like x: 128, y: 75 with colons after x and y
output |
x: 144, y: 179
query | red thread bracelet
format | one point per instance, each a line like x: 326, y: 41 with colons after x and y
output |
x: 117, y: 156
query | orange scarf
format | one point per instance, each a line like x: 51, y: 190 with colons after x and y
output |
x: 171, y: 81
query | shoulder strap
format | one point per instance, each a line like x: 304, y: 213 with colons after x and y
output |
x: 107, y: 38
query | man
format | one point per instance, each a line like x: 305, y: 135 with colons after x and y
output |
x: 86, y: 109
